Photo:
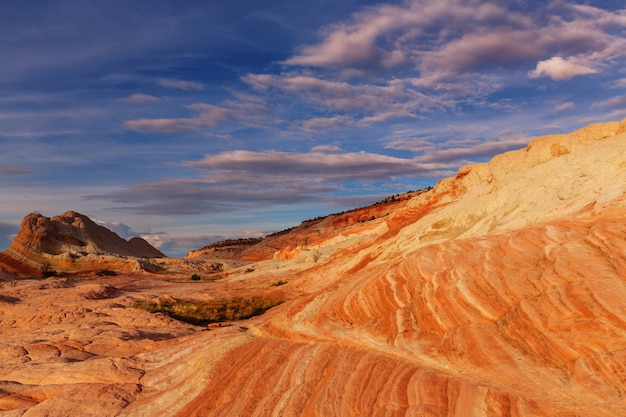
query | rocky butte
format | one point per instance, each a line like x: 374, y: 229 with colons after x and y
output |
x: 72, y: 241
x: 499, y: 292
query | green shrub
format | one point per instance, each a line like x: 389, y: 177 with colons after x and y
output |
x: 195, y: 277
x: 106, y: 273
x: 212, y: 311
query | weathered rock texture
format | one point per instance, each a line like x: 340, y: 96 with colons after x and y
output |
x: 289, y: 243
x: 71, y: 241
x: 501, y: 292
x: 226, y: 249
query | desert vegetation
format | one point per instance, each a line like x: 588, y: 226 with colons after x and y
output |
x: 212, y: 311
x: 106, y: 273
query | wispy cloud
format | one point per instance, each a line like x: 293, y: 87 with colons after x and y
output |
x: 326, y: 149
x: 452, y: 36
x: 340, y: 95
x: 220, y: 194
x: 394, y: 98
x: 456, y: 154
x: 411, y: 61
x: 621, y: 83
x: 243, y: 108
x: 564, y: 107
x: 419, y: 86
x: 459, y: 151
x: 12, y: 170
x: 208, y: 116
x: 142, y: 98
x: 180, y: 84
x: 239, y: 180
x: 327, y: 166
x: 159, y: 125
x: 323, y: 124
x: 617, y: 101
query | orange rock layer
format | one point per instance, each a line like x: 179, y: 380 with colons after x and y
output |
x: 501, y: 292
x: 72, y: 242
x: 288, y: 243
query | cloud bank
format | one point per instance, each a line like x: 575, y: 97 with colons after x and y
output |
x: 413, y: 60
x: 222, y: 112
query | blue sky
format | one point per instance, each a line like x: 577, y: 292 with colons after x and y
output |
x: 191, y: 121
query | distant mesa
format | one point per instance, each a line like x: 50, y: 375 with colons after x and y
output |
x: 69, y: 242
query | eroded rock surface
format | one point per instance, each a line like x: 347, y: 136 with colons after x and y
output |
x: 500, y: 292
x: 71, y: 241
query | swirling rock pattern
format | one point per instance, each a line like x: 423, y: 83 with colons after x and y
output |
x: 72, y: 242
x: 501, y: 292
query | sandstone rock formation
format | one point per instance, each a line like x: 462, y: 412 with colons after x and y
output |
x: 226, y: 249
x: 310, y: 233
x: 500, y: 292
x: 71, y: 241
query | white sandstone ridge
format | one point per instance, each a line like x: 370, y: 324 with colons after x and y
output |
x: 500, y: 292
x: 554, y: 176
x: 73, y: 241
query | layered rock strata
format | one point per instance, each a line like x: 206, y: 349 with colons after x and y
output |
x: 72, y: 241
x: 501, y: 292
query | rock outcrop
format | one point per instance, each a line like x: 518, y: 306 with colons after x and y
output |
x: 287, y: 244
x: 225, y: 249
x: 500, y: 292
x: 71, y: 241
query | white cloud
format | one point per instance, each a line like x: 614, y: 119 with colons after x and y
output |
x: 448, y: 37
x: 560, y: 69
x: 411, y: 60
x: 457, y: 46
x: 450, y: 53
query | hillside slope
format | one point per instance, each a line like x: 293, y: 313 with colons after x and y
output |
x: 500, y: 292
x: 71, y: 241
x: 289, y: 243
